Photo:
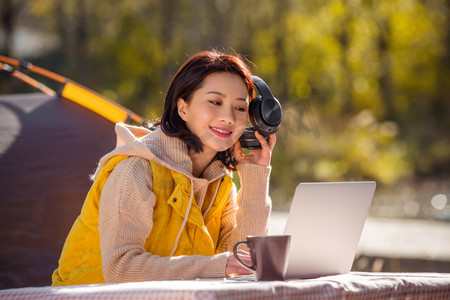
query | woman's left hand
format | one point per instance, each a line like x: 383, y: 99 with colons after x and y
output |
x: 256, y: 156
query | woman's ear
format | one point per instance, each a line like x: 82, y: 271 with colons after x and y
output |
x: 182, y: 105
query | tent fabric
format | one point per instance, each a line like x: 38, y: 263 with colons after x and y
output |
x: 48, y: 148
x: 95, y: 102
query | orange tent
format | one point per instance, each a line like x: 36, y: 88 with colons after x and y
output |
x: 49, y: 145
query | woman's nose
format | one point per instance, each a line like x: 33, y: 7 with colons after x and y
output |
x: 227, y: 115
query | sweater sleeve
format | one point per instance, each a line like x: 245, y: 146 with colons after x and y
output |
x: 247, y: 213
x: 125, y: 222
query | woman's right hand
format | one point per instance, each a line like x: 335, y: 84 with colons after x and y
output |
x: 234, y: 268
x: 256, y: 156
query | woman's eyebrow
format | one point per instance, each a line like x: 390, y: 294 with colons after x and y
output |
x: 223, y: 95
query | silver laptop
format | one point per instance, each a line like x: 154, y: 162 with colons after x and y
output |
x: 325, y: 223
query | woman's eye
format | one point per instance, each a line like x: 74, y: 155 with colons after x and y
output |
x: 243, y: 109
x: 214, y: 102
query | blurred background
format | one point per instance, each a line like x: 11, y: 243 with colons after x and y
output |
x: 364, y: 85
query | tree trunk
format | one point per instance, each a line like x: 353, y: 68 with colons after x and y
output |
x: 7, y: 15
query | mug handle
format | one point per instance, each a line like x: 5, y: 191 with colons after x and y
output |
x: 252, y: 267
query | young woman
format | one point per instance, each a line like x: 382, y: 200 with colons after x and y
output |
x: 163, y: 205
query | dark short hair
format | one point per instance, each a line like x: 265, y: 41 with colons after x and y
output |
x: 186, y: 81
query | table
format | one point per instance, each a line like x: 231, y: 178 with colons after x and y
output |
x: 354, y: 285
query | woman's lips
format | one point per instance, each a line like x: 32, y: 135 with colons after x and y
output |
x: 221, y: 132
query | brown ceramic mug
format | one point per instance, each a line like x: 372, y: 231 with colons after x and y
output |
x: 269, y: 255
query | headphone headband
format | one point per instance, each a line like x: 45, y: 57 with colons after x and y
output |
x: 262, y: 87
x: 264, y: 114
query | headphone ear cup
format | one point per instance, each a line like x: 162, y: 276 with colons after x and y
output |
x: 254, y: 112
x: 248, y: 139
x: 265, y: 112
x: 265, y: 115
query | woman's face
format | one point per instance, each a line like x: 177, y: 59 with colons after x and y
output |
x: 218, y: 111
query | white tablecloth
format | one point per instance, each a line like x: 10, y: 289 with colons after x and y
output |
x: 356, y: 285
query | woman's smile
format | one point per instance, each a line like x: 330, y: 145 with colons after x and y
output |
x: 221, y: 132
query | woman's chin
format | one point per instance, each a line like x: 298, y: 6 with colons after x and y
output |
x: 223, y: 147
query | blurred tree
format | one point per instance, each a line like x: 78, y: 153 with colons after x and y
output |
x: 7, y: 20
x: 364, y: 84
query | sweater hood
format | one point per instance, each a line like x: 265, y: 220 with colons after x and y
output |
x: 158, y: 147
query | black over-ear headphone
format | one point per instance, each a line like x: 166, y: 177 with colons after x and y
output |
x: 264, y: 114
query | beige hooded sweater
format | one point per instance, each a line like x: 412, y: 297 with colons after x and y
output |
x: 127, y: 201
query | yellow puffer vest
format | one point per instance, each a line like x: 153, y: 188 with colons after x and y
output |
x: 80, y: 261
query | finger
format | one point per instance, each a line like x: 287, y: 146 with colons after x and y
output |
x: 243, y: 252
x: 272, y: 141
x: 233, y: 267
x: 244, y: 256
x: 237, y: 150
x: 240, y: 157
x: 237, y: 146
x: 238, y: 270
x: 262, y: 141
